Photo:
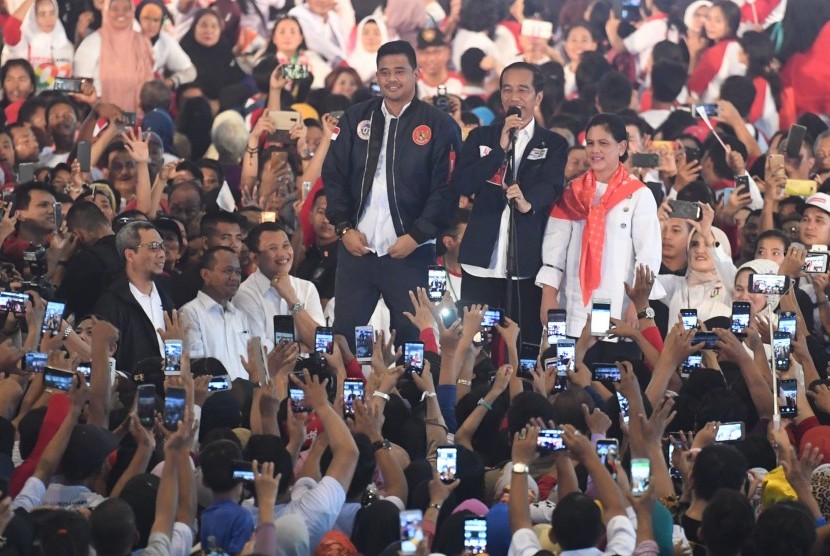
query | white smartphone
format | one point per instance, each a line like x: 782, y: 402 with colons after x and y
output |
x: 640, y: 473
x: 600, y: 317
x: 364, y: 338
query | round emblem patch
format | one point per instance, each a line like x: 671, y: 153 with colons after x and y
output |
x: 421, y: 135
x: 363, y: 129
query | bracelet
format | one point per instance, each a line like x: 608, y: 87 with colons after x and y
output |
x: 436, y: 506
x: 426, y: 395
x: 825, y: 302
x: 464, y: 382
x: 250, y: 150
x: 378, y: 394
x: 485, y: 404
x: 67, y: 332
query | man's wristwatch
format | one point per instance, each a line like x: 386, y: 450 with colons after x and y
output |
x: 647, y: 313
x: 297, y: 307
x: 381, y: 444
x: 521, y: 468
x: 342, y: 229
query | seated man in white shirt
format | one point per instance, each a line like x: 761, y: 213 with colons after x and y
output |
x: 271, y: 291
x: 214, y: 326
x: 576, y: 524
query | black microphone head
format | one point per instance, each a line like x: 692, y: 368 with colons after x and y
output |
x: 513, y: 111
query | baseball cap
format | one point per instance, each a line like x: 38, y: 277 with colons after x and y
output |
x: 820, y: 200
x: 88, y: 447
x: 430, y: 37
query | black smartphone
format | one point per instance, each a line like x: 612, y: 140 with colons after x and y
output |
x: 130, y: 119
x: 694, y: 361
x: 25, y: 172
x: 283, y: 328
x: 787, y: 396
x: 436, y: 282
x: 295, y: 71
x: 740, y: 317
x: 85, y: 368
x: 608, y: 372
x: 528, y: 355
x: 34, y: 361
x: 364, y: 343
x: 561, y: 378
x: 550, y: 440
x: 795, y: 138
x: 53, y: 318
x: 630, y: 10
x: 492, y: 317
x: 556, y: 325
x: 447, y: 463
x: 689, y: 318
x: 57, y: 379
x: 146, y: 405
x: 68, y: 84
x: 475, y: 535
x: 786, y: 323
x: 352, y: 390
x: 298, y: 400
x: 243, y: 471
x: 692, y: 154
x: 645, y: 160
x: 685, y: 209
x: 57, y: 213
x: 448, y: 316
x: 174, y: 401
x: 324, y: 340
x: 816, y: 262
x: 782, y: 347
x: 706, y: 338
x: 413, y: 357
x: 84, y: 155
x: 711, y: 110
x: 741, y: 185
x: 768, y: 284
x: 625, y: 411
x: 14, y: 302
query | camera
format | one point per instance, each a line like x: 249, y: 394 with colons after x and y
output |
x: 442, y: 100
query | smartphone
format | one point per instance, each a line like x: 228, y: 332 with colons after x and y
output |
x: 740, y: 317
x: 492, y: 317
x: 413, y: 357
x: 352, y: 390
x: 447, y: 463
x: 694, y: 361
x: 730, y: 432
x: 324, y: 340
x: 645, y: 160
x: 25, y: 172
x: 556, y: 325
x: 561, y: 378
x: 85, y: 369
x: 692, y: 154
x: 768, y: 284
x: 57, y: 379
x: 337, y: 114
x: 711, y: 110
x: 57, y: 212
x: 243, y: 471
x: 795, y: 138
x: 219, y: 383
x: 689, y: 318
x: 786, y: 323
x: 600, y: 317
x: 14, y: 302
x: 685, y: 209
x: 172, y: 357
x: 671, y: 445
x: 605, y: 372
x: 622, y: 401
x: 475, y: 529
x: 726, y: 193
x: 787, y: 395
x: 441, y: 100
x: 706, y: 338
x: 800, y: 188
x: 283, y: 328
x: 412, y: 531
x: 448, y: 316
x: 84, y: 155
x: 608, y: 450
x: 130, y: 119
x: 436, y: 282
x: 527, y: 360
x: 68, y: 84
x: 283, y: 120
x: 640, y: 472
x: 298, y: 400
x: 630, y: 10
x: 53, y: 318
x: 295, y: 71
x: 550, y: 440
x: 174, y: 401
x: 781, y: 347
x: 816, y: 262
x: 267, y: 216
x: 146, y: 405
x: 537, y: 28
x: 775, y: 164
x: 364, y: 342
x: 741, y: 185
x: 565, y: 353
x: 34, y: 362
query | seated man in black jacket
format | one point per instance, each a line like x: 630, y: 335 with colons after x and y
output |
x: 83, y: 275
x: 134, y: 303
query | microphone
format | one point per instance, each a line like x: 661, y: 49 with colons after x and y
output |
x: 513, y: 111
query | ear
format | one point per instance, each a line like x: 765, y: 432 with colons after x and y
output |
x: 447, y: 242
x: 203, y: 272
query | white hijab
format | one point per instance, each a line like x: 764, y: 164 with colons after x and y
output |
x: 363, y: 61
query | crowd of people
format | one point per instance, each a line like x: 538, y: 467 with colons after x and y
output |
x: 365, y: 277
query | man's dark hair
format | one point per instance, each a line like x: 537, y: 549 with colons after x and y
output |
x: 471, y: 65
x: 775, y: 234
x: 55, y: 101
x: 393, y: 48
x: 538, y: 78
x: 718, y: 154
x: 667, y: 80
x: 252, y: 241
x: 216, y: 460
x: 614, y: 92
x: 727, y: 523
x: 740, y: 91
x: 189, y: 166
x: 207, y: 227
x: 577, y: 522
x: 317, y: 195
x: 213, y: 165
x: 716, y: 467
x: 154, y: 95
x: 112, y: 527
x: 114, y: 147
x: 85, y: 215
x: 23, y: 193
x: 365, y: 469
x: 61, y: 532
x: 209, y: 258
x: 192, y: 184
x: 269, y: 447
x: 784, y: 528
x: 29, y: 108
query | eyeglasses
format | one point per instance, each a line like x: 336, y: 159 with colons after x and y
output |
x: 230, y: 271
x: 154, y: 246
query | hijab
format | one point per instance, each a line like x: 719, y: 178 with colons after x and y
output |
x: 762, y: 266
x: 215, y: 65
x: 363, y: 61
x: 49, y: 53
x: 159, y: 8
x: 697, y: 277
x: 126, y: 62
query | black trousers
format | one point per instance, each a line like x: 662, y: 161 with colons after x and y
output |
x: 360, y: 281
x: 526, y: 301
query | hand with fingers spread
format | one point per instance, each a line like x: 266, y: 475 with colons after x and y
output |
x: 473, y: 317
x: 509, y: 331
x: 579, y: 375
x: 450, y: 336
x: 266, y: 484
x: 422, y: 317
x: 314, y: 391
x: 639, y: 292
x: 173, y: 326
x: 139, y: 149
x: 524, y: 445
x: 368, y: 419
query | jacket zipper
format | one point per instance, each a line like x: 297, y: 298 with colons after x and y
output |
x: 365, y: 167
x: 394, y: 190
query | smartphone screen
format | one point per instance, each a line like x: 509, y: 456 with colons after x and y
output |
x: 640, y: 472
x: 412, y: 532
x: 707, y: 338
x: 767, y: 284
x: 364, y: 341
x: 172, y: 357
x: 565, y: 353
x: 436, y: 282
x: 527, y: 360
x: 600, y: 317
x: 786, y: 323
x: 605, y: 372
x: 787, y: 395
x: 781, y: 347
x: 25, y: 172
x: 694, y: 361
x: 283, y: 328
x: 670, y: 447
x: 352, y: 390
x: 173, y: 407
x: 475, y: 535
x: 34, y: 361
x: 14, y: 302
x: 556, y: 325
x: 447, y: 463
x: 324, y: 340
x: 624, y: 409
x: 561, y: 378
x: 57, y: 379
x: 816, y: 262
x: 608, y: 451
x: 492, y: 317
x: 219, y: 383
x: 689, y: 318
x: 413, y: 357
x: 52, y: 319
x: 243, y: 471
x: 550, y: 440
x: 146, y: 405
x: 730, y: 432
x: 298, y: 400
x: 740, y: 316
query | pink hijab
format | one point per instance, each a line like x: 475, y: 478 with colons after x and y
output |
x: 126, y: 61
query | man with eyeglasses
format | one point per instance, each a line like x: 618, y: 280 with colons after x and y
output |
x: 822, y: 150
x: 215, y: 327
x: 134, y: 303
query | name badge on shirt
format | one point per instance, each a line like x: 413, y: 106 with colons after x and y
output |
x: 483, y: 150
x: 538, y: 154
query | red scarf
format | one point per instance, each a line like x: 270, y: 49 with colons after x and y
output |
x: 577, y: 203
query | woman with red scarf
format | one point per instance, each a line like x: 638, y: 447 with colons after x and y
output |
x: 604, y: 226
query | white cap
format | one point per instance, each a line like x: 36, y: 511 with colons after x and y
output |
x: 820, y: 200
x: 689, y: 14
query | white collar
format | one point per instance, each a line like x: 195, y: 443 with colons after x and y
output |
x: 388, y: 114
x: 529, y: 129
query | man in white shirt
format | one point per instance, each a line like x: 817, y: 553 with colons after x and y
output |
x: 322, y: 28
x: 271, y: 291
x: 214, y: 326
x: 433, y: 60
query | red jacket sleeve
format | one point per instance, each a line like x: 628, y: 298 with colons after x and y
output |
x: 653, y: 336
x: 11, y: 31
x: 353, y: 370
x: 428, y: 337
x: 55, y: 414
x: 707, y: 68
